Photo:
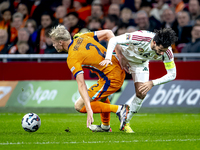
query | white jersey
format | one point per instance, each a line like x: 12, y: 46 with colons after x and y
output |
x: 136, y: 47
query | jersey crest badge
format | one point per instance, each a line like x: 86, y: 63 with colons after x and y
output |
x: 128, y: 36
x: 155, y: 56
x: 140, y: 49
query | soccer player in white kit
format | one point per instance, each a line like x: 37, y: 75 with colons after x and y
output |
x: 137, y: 48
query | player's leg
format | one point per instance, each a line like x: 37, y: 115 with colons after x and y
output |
x: 140, y: 74
x: 97, y: 106
x: 136, y: 103
x: 100, y: 91
x: 100, y: 107
x: 105, y: 119
x: 116, y: 77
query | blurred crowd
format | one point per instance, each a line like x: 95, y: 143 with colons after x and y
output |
x: 25, y: 24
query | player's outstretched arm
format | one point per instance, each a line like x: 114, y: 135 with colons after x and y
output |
x: 84, y: 94
x: 104, y: 35
x: 107, y: 35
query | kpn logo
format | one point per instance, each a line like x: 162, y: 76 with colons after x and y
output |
x: 29, y: 94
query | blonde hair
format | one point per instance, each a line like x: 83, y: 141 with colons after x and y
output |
x: 60, y: 33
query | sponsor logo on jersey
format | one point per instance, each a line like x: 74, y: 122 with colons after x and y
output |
x: 140, y: 49
x: 145, y: 69
x: 128, y: 36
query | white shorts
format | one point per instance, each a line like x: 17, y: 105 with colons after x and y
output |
x: 140, y: 72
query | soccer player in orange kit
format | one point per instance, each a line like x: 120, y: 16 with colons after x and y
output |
x: 86, y: 52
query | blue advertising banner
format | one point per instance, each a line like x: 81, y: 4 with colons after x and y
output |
x: 172, y: 94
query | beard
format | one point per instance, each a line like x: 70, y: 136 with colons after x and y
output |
x: 158, y: 54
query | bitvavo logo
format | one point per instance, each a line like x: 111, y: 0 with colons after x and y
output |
x: 39, y: 95
x: 176, y: 95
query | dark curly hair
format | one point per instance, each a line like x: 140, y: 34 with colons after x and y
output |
x: 165, y: 37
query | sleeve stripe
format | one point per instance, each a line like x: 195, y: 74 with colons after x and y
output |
x: 141, y: 38
x: 81, y: 71
x: 95, y: 36
x: 169, y: 54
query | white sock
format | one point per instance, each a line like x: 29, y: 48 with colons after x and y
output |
x: 105, y: 127
x: 134, y: 107
x: 119, y: 108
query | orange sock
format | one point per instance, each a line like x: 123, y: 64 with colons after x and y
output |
x: 100, y: 107
x: 105, y: 117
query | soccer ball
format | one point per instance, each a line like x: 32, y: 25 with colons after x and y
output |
x: 31, y: 122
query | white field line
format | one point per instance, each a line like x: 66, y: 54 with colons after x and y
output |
x: 79, y: 114
x: 95, y: 142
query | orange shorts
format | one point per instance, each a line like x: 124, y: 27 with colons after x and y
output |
x: 108, y: 83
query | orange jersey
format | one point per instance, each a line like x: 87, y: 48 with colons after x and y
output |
x: 86, y: 52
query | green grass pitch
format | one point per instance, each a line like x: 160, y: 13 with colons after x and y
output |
x: 175, y: 131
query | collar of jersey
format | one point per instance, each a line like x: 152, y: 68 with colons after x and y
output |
x: 70, y: 44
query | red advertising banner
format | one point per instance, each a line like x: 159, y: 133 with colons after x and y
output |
x: 186, y: 70
x: 34, y: 71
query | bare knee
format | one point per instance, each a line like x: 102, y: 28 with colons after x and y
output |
x: 79, y: 104
x: 77, y: 107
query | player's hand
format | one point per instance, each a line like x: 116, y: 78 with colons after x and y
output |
x: 145, y: 87
x: 105, y: 62
x: 124, y: 64
x: 90, y: 118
